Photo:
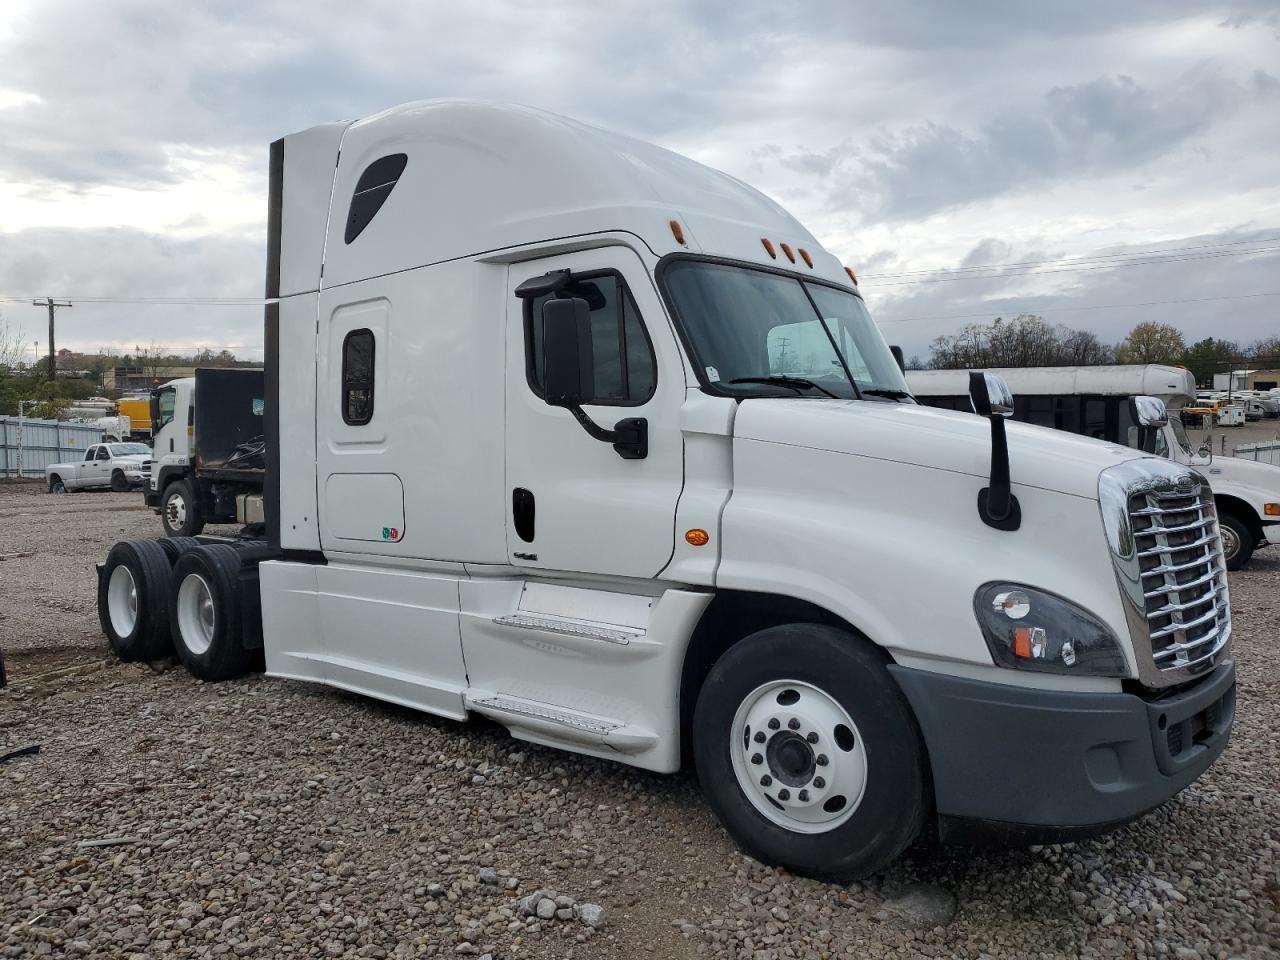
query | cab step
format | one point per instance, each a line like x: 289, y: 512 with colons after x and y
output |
x: 565, y: 626
x: 550, y: 723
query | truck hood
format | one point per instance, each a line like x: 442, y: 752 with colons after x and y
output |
x: 930, y: 438
x: 132, y: 458
x: 1263, y: 478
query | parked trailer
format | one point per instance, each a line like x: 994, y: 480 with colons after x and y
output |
x: 28, y: 445
x: 543, y: 446
x: 1093, y: 401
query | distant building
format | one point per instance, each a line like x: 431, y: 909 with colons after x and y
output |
x: 143, y: 378
x: 1247, y: 380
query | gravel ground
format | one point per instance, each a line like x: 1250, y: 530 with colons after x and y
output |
x: 168, y: 818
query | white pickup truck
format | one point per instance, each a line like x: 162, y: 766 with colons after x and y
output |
x: 119, y: 466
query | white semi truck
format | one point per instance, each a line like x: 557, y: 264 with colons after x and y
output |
x: 1093, y: 402
x: 576, y: 434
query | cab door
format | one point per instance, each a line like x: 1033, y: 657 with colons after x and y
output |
x: 574, y: 503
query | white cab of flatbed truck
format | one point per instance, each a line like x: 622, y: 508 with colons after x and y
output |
x: 577, y: 434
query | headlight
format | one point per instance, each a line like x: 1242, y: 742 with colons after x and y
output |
x: 1028, y: 629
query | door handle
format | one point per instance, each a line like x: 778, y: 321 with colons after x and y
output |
x: 523, y: 513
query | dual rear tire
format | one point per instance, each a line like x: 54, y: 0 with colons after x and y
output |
x: 176, y: 596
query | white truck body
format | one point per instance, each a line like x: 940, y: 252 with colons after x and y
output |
x: 447, y: 532
x: 1242, y: 489
x: 118, y: 466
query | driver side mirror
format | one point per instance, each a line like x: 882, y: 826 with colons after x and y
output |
x: 990, y: 395
x: 1148, y: 411
x: 568, y: 360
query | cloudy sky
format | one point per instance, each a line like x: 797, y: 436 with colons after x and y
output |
x: 1059, y: 145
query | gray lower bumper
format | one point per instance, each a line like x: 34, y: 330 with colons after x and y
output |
x: 1014, y: 763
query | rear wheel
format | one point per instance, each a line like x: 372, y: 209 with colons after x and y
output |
x: 1237, y: 541
x: 204, y: 613
x: 133, y: 594
x: 179, y: 511
x: 119, y: 482
x: 174, y: 547
x: 56, y: 485
x: 809, y: 753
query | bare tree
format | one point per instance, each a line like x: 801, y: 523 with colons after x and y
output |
x: 157, y: 362
x: 12, y: 343
x: 1024, y: 341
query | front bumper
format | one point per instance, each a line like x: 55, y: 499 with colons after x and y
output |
x: 1019, y: 764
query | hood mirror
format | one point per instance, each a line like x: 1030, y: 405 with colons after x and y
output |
x: 1148, y: 411
x: 992, y: 398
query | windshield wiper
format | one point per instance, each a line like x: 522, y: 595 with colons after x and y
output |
x: 795, y: 383
x: 883, y: 392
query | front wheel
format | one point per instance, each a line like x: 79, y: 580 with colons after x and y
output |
x: 179, y: 512
x: 119, y: 482
x: 809, y: 753
x: 1237, y: 541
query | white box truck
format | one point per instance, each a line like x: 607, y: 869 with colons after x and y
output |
x: 574, y: 433
x: 1093, y: 402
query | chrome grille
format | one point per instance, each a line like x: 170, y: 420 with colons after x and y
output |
x: 1184, y: 584
x: 1162, y: 527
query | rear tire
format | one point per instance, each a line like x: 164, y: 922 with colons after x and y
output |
x: 807, y: 714
x: 56, y: 485
x: 119, y: 482
x: 133, y: 597
x: 179, y: 512
x: 174, y: 547
x: 1237, y: 541
x: 204, y: 613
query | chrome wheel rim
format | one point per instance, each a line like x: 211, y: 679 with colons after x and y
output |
x: 175, y: 509
x: 798, y: 756
x: 122, y: 601
x: 1230, y: 542
x: 196, y: 618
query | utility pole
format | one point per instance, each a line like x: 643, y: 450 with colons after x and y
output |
x: 51, y: 305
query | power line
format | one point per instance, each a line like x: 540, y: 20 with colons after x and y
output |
x: 1101, y: 256
x: 1096, y: 306
x: 171, y: 301
x: 1081, y: 269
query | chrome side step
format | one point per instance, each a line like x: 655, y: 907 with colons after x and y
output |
x: 543, y: 722
x: 584, y: 629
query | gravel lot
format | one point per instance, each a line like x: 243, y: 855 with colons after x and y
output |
x: 271, y: 819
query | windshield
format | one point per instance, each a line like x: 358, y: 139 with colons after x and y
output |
x: 754, y: 332
x: 127, y: 449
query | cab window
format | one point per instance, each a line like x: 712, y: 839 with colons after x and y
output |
x: 90, y: 453
x: 104, y: 453
x: 624, y: 364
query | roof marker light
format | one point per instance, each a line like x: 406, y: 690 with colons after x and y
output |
x: 852, y: 276
x: 804, y: 255
x: 769, y: 247
x: 677, y: 231
x: 787, y: 250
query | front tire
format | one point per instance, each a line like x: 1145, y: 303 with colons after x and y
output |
x: 119, y: 482
x: 809, y: 753
x: 179, y: 512
x: 1237, y: 541
x: 204, y: 613
x: 133, y: 596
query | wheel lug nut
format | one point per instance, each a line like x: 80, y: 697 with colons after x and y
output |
x: 793, y: 723
x: 784, y: 794
x: 756, y: 758
x: 804, y: 796
x: 821, y: 760
x: 812, y: 737
x: 773, y: 723
x: 819, y: 782
x: 759, y: 737
x: 766, y: 780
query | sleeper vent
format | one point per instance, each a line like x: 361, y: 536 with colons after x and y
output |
x: 372, y: 190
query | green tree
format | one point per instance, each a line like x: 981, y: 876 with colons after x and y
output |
x: 1151, y: 343
x: 1210, y: 356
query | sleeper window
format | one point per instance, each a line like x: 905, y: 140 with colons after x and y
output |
x: 624, y: 365
x: 357, y: 377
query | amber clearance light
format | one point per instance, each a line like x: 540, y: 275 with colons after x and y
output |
x: 697, y: 537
